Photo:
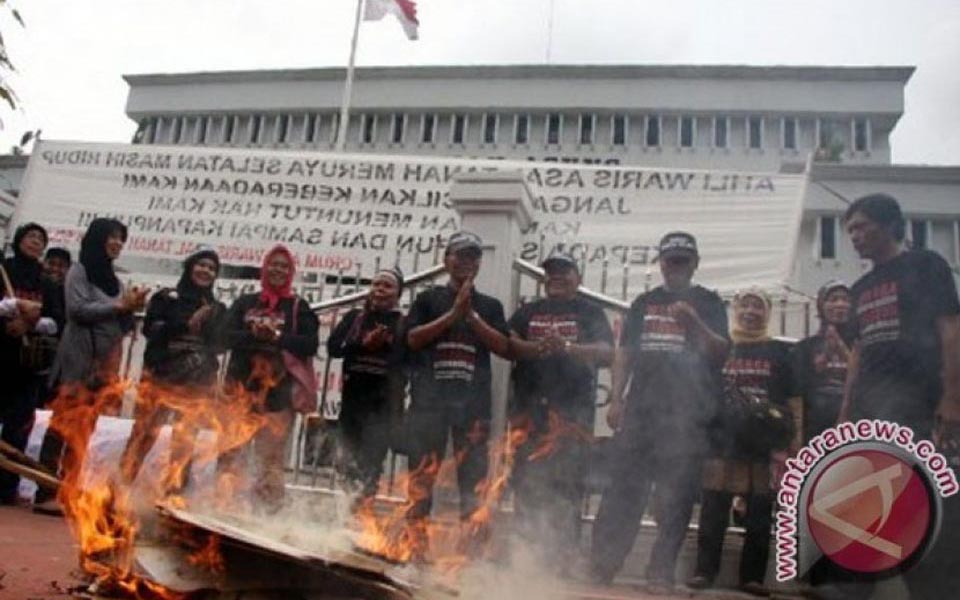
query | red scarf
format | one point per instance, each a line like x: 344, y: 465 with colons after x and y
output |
x: 271, y: 295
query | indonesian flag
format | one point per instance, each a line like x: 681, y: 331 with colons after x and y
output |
x: 404, y: 10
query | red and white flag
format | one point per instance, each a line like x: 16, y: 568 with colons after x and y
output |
x: 404, y: 10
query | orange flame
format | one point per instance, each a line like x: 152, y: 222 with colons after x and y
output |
x: 100, y: 513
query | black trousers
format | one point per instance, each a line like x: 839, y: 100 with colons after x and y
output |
x: 714, y: 518
x: 548, y: 497
x: 20, y: 400
x: 638, y: 467
x: 365, y: 431
x: 428, y: 429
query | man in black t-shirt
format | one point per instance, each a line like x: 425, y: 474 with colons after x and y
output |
x: 905, y: 365
x: 672, y: 349
x: 452, y: 329
x: 558, y: 343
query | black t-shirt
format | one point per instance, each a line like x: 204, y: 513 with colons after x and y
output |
x: 367, y: 375
x: 895, y: 311
x: 761, y: 370
x: 675, y: 388
x: 561, y: 383
x: 454, y: 370
x: 819, y: 377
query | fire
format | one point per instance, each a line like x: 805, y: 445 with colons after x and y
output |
x: 100, y: 512
x: 396, y: 537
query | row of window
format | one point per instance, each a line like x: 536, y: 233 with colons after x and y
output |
x: 918, y: 235
x: 616, y: 129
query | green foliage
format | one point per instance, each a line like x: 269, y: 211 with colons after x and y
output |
x: 6, y: 65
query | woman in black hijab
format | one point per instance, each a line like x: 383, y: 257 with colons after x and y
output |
x: 180, y: 367
x: 99, y: 315
x: 25, y: 341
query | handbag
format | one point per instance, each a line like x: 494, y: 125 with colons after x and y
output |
x: 305, y: 385
x: 754, y: 427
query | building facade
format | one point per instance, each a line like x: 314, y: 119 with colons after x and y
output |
x: 758, y: 119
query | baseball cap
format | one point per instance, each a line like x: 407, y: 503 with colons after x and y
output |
x: 560, y: 258
x: 677, y: 242
x: 463, y: 240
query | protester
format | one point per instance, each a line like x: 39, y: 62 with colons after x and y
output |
x: 905, y: 362
x: 820, y: 361
x: 269, y: 333
x: 452, y: 329
x: 758, y: 385
x: 673, y: 346
x: 558, y: 343
x: 26, y: 342
x: 99, y: 314
x: 180, y: 367
x: 56, y: 264
x: 370, y: 342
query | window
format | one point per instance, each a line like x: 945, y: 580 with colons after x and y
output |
x: 919, y: 233
x: 587, y: 127
x: 256, y: 123
x: 368, y: 129
x: 755, y: 132
x: 229, y: 124
x: 828, y: 237
x: 201, y: 130
x: 458, y: 131
x: 398, y: 128
x: 176, y: 130
x: 490, y: 128
x: 653, y: 131
x: 861, y: 135
x: 554, y: 125
x: 335, y: 128
x: 687, y: 131
x: 721, y: 129
x: 310, y: 128
x: 827, y: 134
x: 428, y: 126
x: 283, y: 128
x: 789, y: 133
x: 619, y: 127
x: 521, y: 129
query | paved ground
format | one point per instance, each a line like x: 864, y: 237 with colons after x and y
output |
x: 37, y: 556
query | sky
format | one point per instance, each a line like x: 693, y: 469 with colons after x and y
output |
x: 71, y: 56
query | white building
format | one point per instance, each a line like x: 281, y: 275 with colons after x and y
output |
x: 720, y: 117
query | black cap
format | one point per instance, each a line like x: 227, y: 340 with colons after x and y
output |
x: 463, y: 240
x: 560, y: 258
x: 677, y: 242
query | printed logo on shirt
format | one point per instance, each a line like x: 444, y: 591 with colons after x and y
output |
x: 661, y: 332
x: 878, y: 313
x: 454, y: 359
x: 274, y: 319
x: 749, y: 375
x: 543, y: 326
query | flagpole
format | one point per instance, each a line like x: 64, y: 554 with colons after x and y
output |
x: 348, y: 85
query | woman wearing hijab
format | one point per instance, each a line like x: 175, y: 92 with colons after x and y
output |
x: 25, y: 341
x: 99, y: 315
x: 180, y: 363
x: 368, y: 340
x: 820, y: 361
x: 265, y: 332
x: 758, y: 385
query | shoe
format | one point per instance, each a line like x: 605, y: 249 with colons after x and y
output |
x: 658, y: 587
x: 50, y: 507
x: 700, y: 582
x: 754, y: 588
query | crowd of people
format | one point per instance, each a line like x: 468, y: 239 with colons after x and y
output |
x: 703, y: 410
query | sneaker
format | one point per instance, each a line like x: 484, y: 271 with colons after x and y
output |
x: 700, y: 582
x: 754, y: 588
x: 51, y: 507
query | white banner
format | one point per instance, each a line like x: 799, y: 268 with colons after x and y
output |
x: 341, y: 212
